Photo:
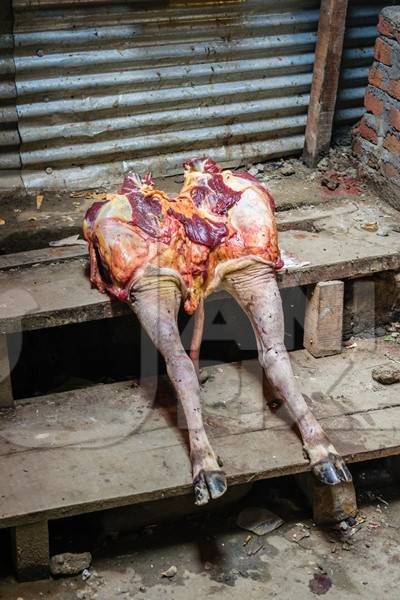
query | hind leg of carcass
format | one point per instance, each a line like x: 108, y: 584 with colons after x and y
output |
x: 156, y: 300
x: 256, y: 290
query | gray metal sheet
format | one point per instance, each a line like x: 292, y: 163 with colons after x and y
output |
x: 108, y: 86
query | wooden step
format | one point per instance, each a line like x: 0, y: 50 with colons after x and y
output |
x: 109, y: 445
x: 308, y: 218
x: 47, y: 294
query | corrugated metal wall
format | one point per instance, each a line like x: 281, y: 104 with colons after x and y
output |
x: 103, y: 87
x: 9, y: 138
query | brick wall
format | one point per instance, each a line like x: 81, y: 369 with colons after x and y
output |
x: 376, y: 138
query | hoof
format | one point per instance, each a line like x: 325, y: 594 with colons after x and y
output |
x: 332, y: 471
x: 209, y: 485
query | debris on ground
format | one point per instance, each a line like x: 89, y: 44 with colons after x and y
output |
x: 70, y: 563
x: 331, y: 185
x: 2, y: 222
x: 90, y: 195
x: 360, y: 518
x: 342, y: 182
x: 392, y: 337
x: 297, y: 533
x: 287, y: 169
x: 351, y: 343
x: 258, y: 520
x: 72, y: 240
x: 169, y: 573
x: 320, y: 584
x: 387, y: 374
x: 338, y: 172
x: 39, y: 201
x: 256, y: 550
x: 254, y: 170
x: 247, y: 540
x: 343, y: 526
x: 383, y: 501
x: 383, y: 230
x: 86, y: 574
x: 393, y: 327
x: 373, y: 227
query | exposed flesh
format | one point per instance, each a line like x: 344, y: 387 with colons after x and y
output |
x: 151, y: 250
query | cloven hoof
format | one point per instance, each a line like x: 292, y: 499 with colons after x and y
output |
x: 209, y: 485
x: 332, y: 471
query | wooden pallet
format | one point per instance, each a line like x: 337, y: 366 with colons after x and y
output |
x: 113, y: 445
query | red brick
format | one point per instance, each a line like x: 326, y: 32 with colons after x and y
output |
x: 392, y: 143
x: 393, y: 88
x: 385, y: 27
x: 373, y: 104
x: 383, y: 52
x: 390, y: 170
x: 376, y: 77
x: 394, y: 118
x: 367, y: 132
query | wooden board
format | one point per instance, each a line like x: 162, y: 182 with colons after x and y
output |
x: 43, y: 256
x: 328, y: 58
x: 323, y: 320
x: 306, y: 219
x: 59, y: 293
x: 6, y: 393
x: 108, y: 446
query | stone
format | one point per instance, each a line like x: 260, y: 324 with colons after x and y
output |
x: 287, y: 169
x: 254, y: 170
x: 383, y: 230
x: 169, y: 573
x: 297, y: 533
x: 387, y: 374
x: 70, y: 563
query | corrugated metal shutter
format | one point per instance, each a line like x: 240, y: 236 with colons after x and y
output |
x: 106, y: 88
x: 9, y: 139
x: 103, y: 86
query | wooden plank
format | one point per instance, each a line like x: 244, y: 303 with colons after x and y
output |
x: 58, y: 294
x: 328, y: 57
x: 6, y: 393
x: 42, y: 256
x: 303, y: 219
x: 323, y: 322
x: 330, y: 503
x: 106, y: 446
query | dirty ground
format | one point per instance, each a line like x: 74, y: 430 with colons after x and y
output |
x: 209, y: 555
